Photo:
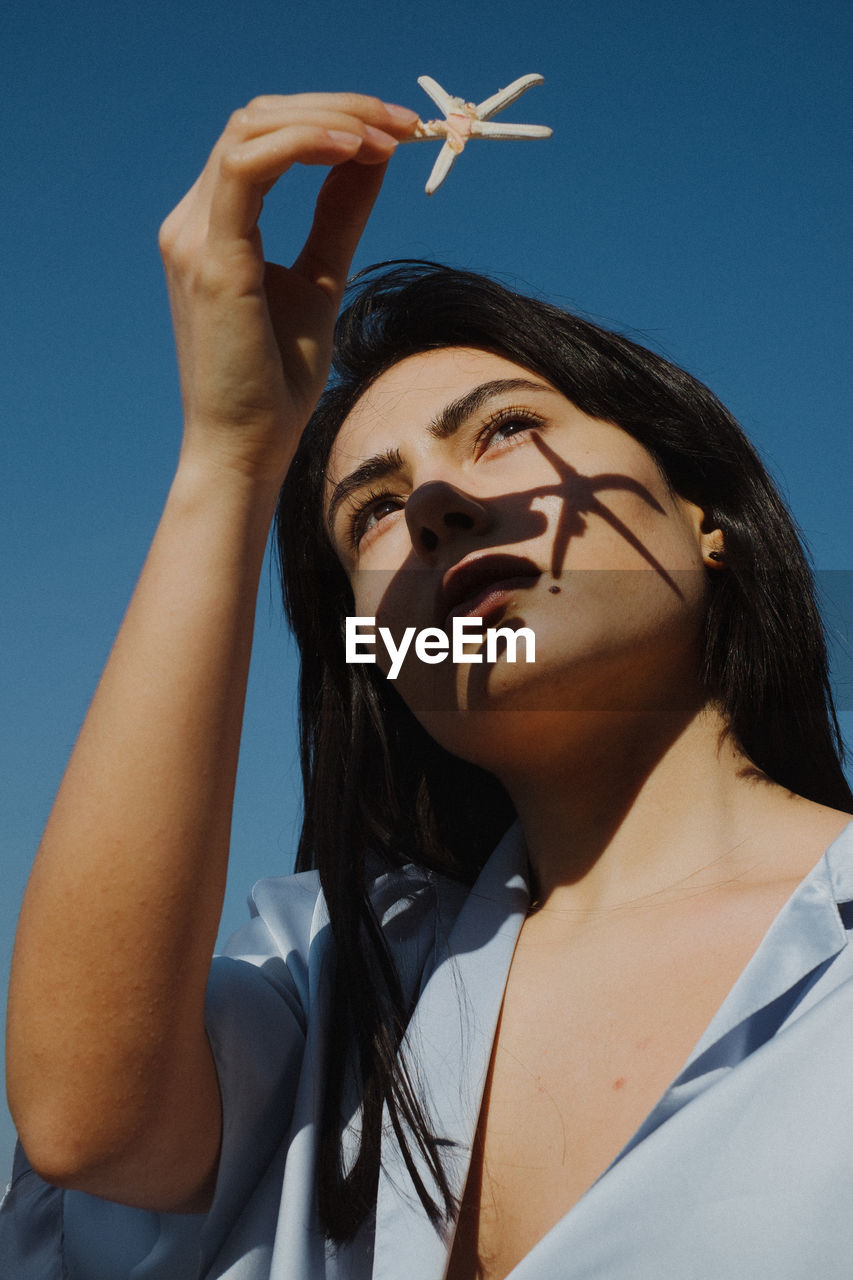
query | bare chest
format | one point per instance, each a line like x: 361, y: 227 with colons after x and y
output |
x: 587, y: 1044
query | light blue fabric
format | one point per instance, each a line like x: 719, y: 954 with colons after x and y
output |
x: 744, y: 1168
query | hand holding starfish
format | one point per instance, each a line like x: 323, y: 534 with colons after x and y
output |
x: 464, y: 120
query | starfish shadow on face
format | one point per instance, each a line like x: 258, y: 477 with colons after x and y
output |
x: 578, y: 501
x: 579, y: 492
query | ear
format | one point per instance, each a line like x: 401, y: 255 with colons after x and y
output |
x: 709, y: 536
x: 712, y: 545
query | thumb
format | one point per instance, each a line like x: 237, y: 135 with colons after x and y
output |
x: 343, y: 207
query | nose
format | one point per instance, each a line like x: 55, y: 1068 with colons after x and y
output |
x: 437, y: 511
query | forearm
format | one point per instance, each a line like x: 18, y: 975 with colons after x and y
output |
x: 121, y: 912
x: 111, y: 1080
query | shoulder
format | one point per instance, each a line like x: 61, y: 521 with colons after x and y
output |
x: 289, y: 918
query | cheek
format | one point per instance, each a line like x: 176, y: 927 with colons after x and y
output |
x: 623, y: 629
x: 367, y: 595
x: 398, y: 601
x: 627, y: 531
x: 399, y: 595
x: 384, y: 566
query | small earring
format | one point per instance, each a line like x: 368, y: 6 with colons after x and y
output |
x: 716, y: 555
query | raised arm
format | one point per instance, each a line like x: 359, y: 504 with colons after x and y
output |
x: 110, y: 1077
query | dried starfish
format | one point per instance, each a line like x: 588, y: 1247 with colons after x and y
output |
x: 464, y: 120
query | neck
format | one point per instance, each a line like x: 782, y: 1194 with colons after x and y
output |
x: 668, y: 802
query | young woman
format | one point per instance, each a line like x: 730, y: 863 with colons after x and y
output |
x: 561, y: 987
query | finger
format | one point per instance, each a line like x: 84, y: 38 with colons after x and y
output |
x: 343, y: 208
x: 341, y: 113
x: 262, y: 158
x: 246, y: 172
x: 273, y: 110
x: 337, y: 113
x: 259, y: 123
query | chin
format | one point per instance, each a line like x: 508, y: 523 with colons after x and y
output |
x: 494, y: 715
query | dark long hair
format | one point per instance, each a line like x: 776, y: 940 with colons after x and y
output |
x: 376, y: 784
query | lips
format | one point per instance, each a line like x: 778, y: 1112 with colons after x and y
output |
x: 473, y: 580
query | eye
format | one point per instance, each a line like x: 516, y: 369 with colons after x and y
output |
x: 369, y: 512
x: 507, y: 425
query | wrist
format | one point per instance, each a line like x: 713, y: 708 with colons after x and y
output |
x: 258, y: 450
x: 214, y: 484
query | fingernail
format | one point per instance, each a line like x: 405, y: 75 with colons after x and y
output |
x: 379, y: 139
x: 342, y: 139
x: 404, y: 115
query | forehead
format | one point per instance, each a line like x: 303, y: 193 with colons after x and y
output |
x: 405, y: 399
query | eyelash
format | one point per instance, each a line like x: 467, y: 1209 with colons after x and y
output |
x: 357, y: 522
x: 503, y: 418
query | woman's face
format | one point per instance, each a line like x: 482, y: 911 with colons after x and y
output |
x: 463, y: 485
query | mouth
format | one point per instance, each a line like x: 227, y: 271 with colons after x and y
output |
x: 480, y: 584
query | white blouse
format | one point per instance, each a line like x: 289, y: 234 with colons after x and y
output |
x: 742, y: 1169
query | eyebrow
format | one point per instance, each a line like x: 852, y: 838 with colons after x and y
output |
x: 446, y: 423
x: 453, y: 415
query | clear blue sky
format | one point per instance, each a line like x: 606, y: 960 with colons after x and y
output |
x: 696, y: 194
